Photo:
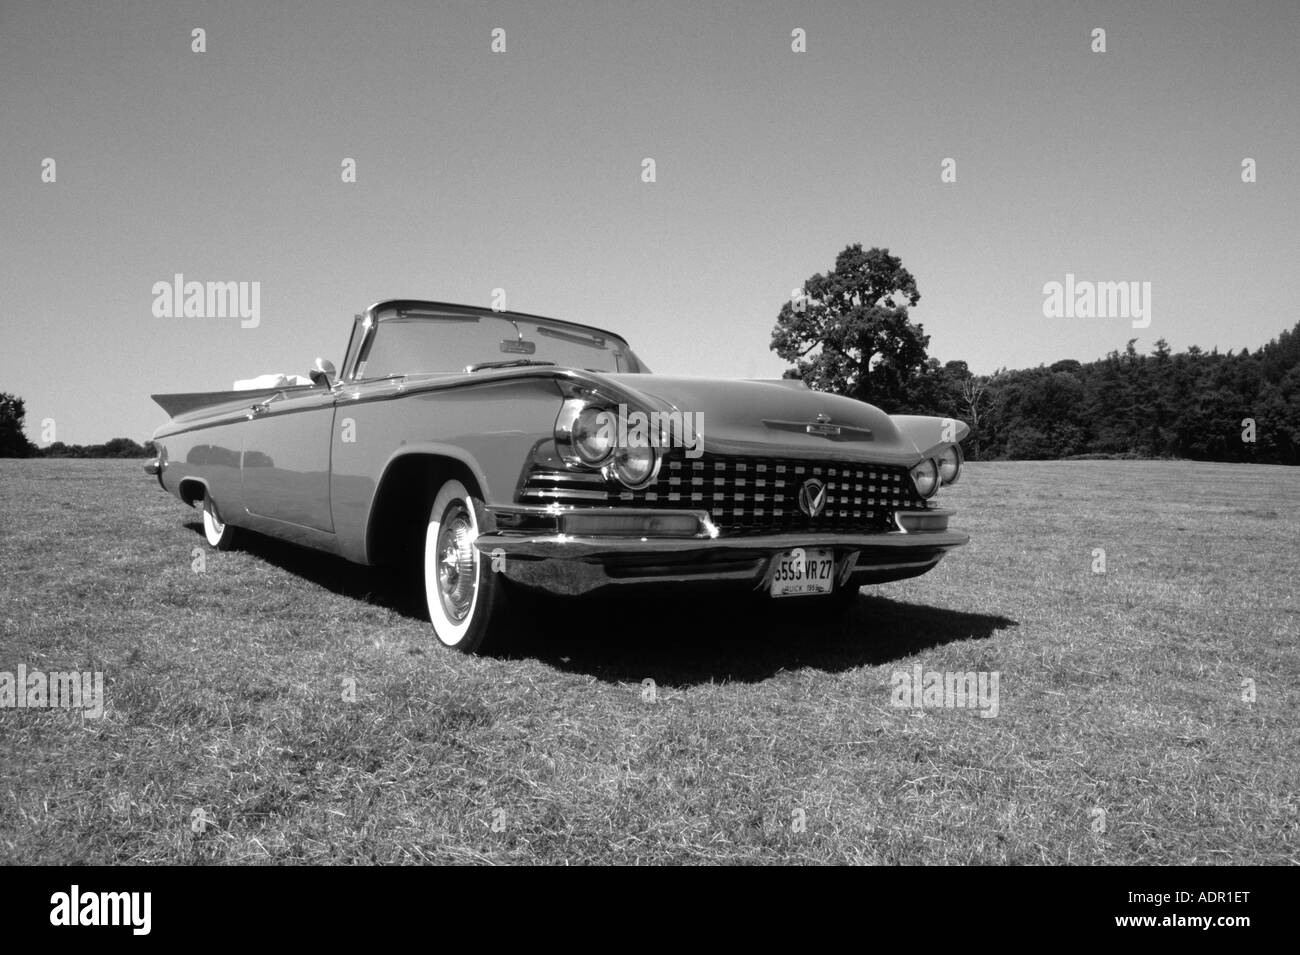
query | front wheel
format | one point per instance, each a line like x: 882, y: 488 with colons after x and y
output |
x: 467, y: 601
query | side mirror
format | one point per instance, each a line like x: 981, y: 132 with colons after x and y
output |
x: 322, y: 373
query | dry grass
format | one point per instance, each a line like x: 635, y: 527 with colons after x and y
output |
x: 1120, y: 691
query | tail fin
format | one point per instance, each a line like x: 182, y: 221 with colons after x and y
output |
x: 179, y: 404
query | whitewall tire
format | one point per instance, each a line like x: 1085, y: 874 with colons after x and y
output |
x: 466, y: 600
x: 219, y: 534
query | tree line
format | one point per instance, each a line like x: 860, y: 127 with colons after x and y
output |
x: 15, y: 444
x: 848, y: 332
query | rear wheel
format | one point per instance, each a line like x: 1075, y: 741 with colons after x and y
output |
x: 219, y: 534
x: 467, y: 602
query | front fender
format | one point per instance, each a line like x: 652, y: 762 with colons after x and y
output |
x: 930, y: 434
x: 489, y: 427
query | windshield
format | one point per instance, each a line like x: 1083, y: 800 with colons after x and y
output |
x: 414, y: 344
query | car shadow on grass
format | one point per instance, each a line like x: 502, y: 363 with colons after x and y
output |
x: 675, y: 639
x: 379, y: 586
x: 694, y: 641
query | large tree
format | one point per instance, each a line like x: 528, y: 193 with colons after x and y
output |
x: 849, y: 331
x: 13, y: 443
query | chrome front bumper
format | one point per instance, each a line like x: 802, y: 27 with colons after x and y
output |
x: 529, y: 547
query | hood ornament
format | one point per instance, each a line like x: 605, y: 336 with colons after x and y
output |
x: 823, y: 426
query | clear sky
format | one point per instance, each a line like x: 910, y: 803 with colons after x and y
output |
x: 522, y: 170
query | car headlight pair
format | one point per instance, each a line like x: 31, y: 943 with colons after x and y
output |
x: 932, y: 473
x: 586, y: 434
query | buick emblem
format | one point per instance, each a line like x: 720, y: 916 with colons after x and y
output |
x: 812, y: 497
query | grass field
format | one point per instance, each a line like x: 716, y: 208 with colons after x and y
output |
x: 1122, y: 735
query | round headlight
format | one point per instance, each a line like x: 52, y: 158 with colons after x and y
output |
x: 950, y: 464
x: 594, y: 432
x: 925, y: 477
x: 635, y: 467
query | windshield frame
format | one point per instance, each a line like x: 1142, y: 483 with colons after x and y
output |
x: 368, y: 325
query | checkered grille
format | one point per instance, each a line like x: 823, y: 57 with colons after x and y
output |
x: 756, y: 495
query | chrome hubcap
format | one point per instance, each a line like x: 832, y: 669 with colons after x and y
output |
x: 457, y: 573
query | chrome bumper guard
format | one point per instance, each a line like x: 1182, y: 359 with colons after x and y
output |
x: 574, y: 551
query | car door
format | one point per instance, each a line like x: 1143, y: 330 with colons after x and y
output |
x: 285, y: 467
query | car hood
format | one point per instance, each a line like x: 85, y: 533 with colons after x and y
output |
x: 773, y: 417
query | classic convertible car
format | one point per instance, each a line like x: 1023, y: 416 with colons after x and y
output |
x: 498, y: 450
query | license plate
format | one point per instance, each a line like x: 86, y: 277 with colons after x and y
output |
x: 803, y: 571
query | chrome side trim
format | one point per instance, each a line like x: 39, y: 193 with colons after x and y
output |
x: 561, y: 493
x: 577, y: 477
